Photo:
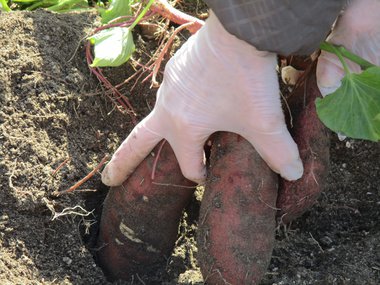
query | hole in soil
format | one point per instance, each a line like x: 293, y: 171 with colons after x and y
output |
x: 165, y: 268
x: 93, y: 201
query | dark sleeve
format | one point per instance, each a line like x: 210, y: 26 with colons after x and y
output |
x: 281, y: 26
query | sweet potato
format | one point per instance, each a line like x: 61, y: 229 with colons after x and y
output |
x: 313, y: 141
x: 139, y: 222
x: 237, y: 216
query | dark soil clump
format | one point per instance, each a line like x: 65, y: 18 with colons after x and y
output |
x: 51, y: 110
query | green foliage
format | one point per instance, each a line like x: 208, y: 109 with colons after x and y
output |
x: 117, y: 8
x: 354, y: 108
x: 52, y: 5
x: 112, y: 47
x: 67, y: 5
x: 4, y: 6
x: 60, y: 6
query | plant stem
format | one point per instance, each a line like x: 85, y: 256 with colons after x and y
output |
x: 5, y: 6
x: 334, y: 49
x: 339, y: 55
x: 343, y: 52
x: 163, y: 8
x: 67, y: 5
x: 139, y: 17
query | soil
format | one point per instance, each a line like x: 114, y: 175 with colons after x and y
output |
x: 53, y: 109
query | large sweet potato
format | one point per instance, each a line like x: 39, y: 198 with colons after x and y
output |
x: 313, y: 141
x: 139, y: 222
x: 237, y: 217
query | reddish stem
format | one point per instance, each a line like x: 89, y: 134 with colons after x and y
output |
x: 120, y: 98
x: 60, y: 166
x: 158, y: 62
x: 163, y: 8
x: 83, y: 180
x: 167, y: 11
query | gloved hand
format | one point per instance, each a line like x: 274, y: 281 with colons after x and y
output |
x: 215, y: 82
x: 358, y: 30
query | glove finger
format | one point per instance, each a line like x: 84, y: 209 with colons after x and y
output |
x: 191, y: 158
x: 130, y: 153
x: 279, y: 151
x: 329, y: 73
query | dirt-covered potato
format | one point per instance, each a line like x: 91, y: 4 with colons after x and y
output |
x: 140, y: 218
x: 313, y: 141
x: 237, y: 217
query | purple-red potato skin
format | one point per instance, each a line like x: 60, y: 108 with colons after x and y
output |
x: 313, y: 140
x: 139, y: 223
x: 237, y: 217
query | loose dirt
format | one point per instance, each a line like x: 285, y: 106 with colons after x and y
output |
x: 53, y: 109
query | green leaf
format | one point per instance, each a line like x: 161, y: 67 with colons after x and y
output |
x: 117, y: 8
x: 354, y: 108
x: 67, y: 5
x: 112, y: 47
x: 342, y: 51
x: 4, y: 6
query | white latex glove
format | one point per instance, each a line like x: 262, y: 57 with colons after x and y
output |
x: 215, y: 82
x: 358, y: 30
